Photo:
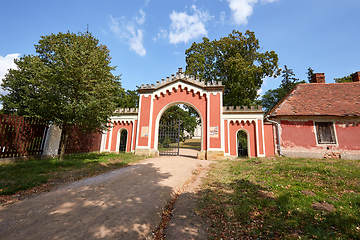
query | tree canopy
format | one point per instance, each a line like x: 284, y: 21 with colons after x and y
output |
x: 68, y: 82
x: 188, y: 116
x: 347, y: 78
x: 128, y: 99
x: 288, y: 82
x: 235, y: 60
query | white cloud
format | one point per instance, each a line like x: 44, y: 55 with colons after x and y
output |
x: 7, y: 63
x: 185, y: 27
x: 140, y: 19
x: 243, y: 9
x: 130, y: 31
x: 162, y: 34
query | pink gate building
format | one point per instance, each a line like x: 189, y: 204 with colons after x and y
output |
x: 137, y: 130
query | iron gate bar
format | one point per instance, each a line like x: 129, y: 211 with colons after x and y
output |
x: 169, y: 138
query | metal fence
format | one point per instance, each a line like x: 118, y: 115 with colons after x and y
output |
x: 20, y: 136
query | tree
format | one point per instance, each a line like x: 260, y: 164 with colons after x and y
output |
x: 310, y: 73
x: 130, y: 99
x: 188, y: 116
x: 69, y: 82
x: 347, y: 78
x: 288, y: 82
x: 235, y: 60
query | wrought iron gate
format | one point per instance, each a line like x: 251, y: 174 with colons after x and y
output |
x: 123, y: 140
x: 242, y: 150
x: 169, y: 138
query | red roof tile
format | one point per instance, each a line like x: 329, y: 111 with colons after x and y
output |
x: 321, y: 99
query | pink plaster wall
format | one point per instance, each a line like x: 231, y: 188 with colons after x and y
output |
x: 144, y: 119
x: 301, y: 134
x: 250, y: 129
x: 297, y: 134
x: 215, y: 101
x: 117, y: 127
x: 226, y: 136
x: 348, y: 135
x: 261, y: 145
x: 269, y: 140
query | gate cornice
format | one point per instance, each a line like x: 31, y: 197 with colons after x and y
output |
x: 184, y: 78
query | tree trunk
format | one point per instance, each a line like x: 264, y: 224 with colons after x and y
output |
x: 63, y: 142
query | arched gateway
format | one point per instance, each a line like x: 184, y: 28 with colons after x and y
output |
x: 220, y: 125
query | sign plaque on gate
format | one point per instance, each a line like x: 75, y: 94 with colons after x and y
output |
x: 144, y: 131
x: 214, y: 132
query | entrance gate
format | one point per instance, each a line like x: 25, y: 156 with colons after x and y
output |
x: 169, y: 138
x: 219, y: 123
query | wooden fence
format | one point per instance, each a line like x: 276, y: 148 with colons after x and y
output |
x: 20, y: 136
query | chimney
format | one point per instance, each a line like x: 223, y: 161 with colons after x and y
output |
x: 356, y: 77
x: 180, y: 70
x: 318, y: 78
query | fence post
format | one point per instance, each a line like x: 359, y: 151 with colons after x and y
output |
x: 52, y: 141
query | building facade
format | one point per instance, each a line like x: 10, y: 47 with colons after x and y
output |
x: 319, y: 120
x: 219, y: 124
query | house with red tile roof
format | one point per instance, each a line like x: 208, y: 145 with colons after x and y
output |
x: 319, y: 119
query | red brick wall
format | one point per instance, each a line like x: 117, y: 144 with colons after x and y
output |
x: 80, y: 142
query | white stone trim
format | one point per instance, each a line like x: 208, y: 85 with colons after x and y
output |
x: 222, y: 128
x: 228, y: 122
x: 247, y: 140
x: 263, y: 137
x: 138, y: 122
x: 142, y: 147
x: 183, y: 86
x: 103, y: 141
x: 150, y: 119
x: 257, y: 138
x: 215, y: 149
x: 132, y: 136
x: 242, y: 116
x: 207, y: 121
x: 110, y: 136
x: 118, y: 138
x: 335, y: 133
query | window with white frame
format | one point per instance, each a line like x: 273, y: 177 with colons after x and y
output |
x: 325, y: 133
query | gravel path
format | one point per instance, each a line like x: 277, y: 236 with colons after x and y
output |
x: 122, y: 204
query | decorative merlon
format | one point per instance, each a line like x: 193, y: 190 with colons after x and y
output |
x: 180, y: 76
x: 121, y: 111
x: 240, y: 109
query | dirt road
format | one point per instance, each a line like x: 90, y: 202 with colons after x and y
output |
x: 122, y: 204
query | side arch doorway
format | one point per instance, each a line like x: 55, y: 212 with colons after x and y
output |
x: 123, y: 140
x: 180, y: 131
x: 242, y: 143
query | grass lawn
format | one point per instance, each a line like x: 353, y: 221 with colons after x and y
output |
x: 28, y: 174
x: 191, y: 143
x: 282, y: 198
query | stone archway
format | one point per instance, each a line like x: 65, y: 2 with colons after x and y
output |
x: 181, y: 88
x: 160, y: 113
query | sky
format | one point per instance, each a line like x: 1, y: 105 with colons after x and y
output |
x: 148, y: 38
